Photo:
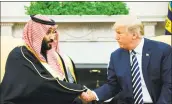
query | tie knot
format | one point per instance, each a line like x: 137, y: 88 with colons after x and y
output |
x: 133, y: 52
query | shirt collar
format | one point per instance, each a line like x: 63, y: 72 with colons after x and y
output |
x: 139, y: 48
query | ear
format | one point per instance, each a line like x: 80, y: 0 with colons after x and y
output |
x: 135, y: 35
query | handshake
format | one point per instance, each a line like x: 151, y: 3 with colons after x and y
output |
x: 88, y: 96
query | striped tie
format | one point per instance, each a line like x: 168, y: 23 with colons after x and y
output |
x: 136, y: 80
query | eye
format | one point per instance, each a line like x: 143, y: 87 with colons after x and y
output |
x: 118, y: 32
x: 49, y: 31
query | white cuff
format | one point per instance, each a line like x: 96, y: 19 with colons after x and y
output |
x: 109, y: 100
x: 97, y: 99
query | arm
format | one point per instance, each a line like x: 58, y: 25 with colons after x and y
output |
x: 111, y: 88
x: 166, y: 77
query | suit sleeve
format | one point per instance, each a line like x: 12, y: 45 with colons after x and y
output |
x: 111, y: 87
x: 166, y: 78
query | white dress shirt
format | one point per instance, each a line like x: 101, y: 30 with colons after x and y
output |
x: 138, y: 50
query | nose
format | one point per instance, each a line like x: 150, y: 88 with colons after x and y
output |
x: 53, y: 37
x: 117, y: 37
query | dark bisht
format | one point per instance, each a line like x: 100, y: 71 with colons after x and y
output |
x: 27, y: 81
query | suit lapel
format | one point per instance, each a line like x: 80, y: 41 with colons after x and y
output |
x: 146, y: 54
x: 127, y: 67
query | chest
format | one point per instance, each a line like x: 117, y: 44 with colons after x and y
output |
x: 149, y: 66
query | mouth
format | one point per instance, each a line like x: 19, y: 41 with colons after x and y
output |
x: 50, y: 43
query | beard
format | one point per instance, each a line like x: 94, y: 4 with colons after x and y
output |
x: 45, y: 45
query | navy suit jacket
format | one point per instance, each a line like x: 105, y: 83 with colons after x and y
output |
x: 157, y: 73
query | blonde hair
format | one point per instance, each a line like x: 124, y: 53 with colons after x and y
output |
x: 133, y: 24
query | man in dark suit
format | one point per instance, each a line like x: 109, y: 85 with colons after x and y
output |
x: 139, y: 72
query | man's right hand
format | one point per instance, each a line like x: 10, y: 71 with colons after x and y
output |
x: 88, y: 96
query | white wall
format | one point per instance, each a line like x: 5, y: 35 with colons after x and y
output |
x: 13, y: 8
x: 89, y: 52
x: 148, y: 8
